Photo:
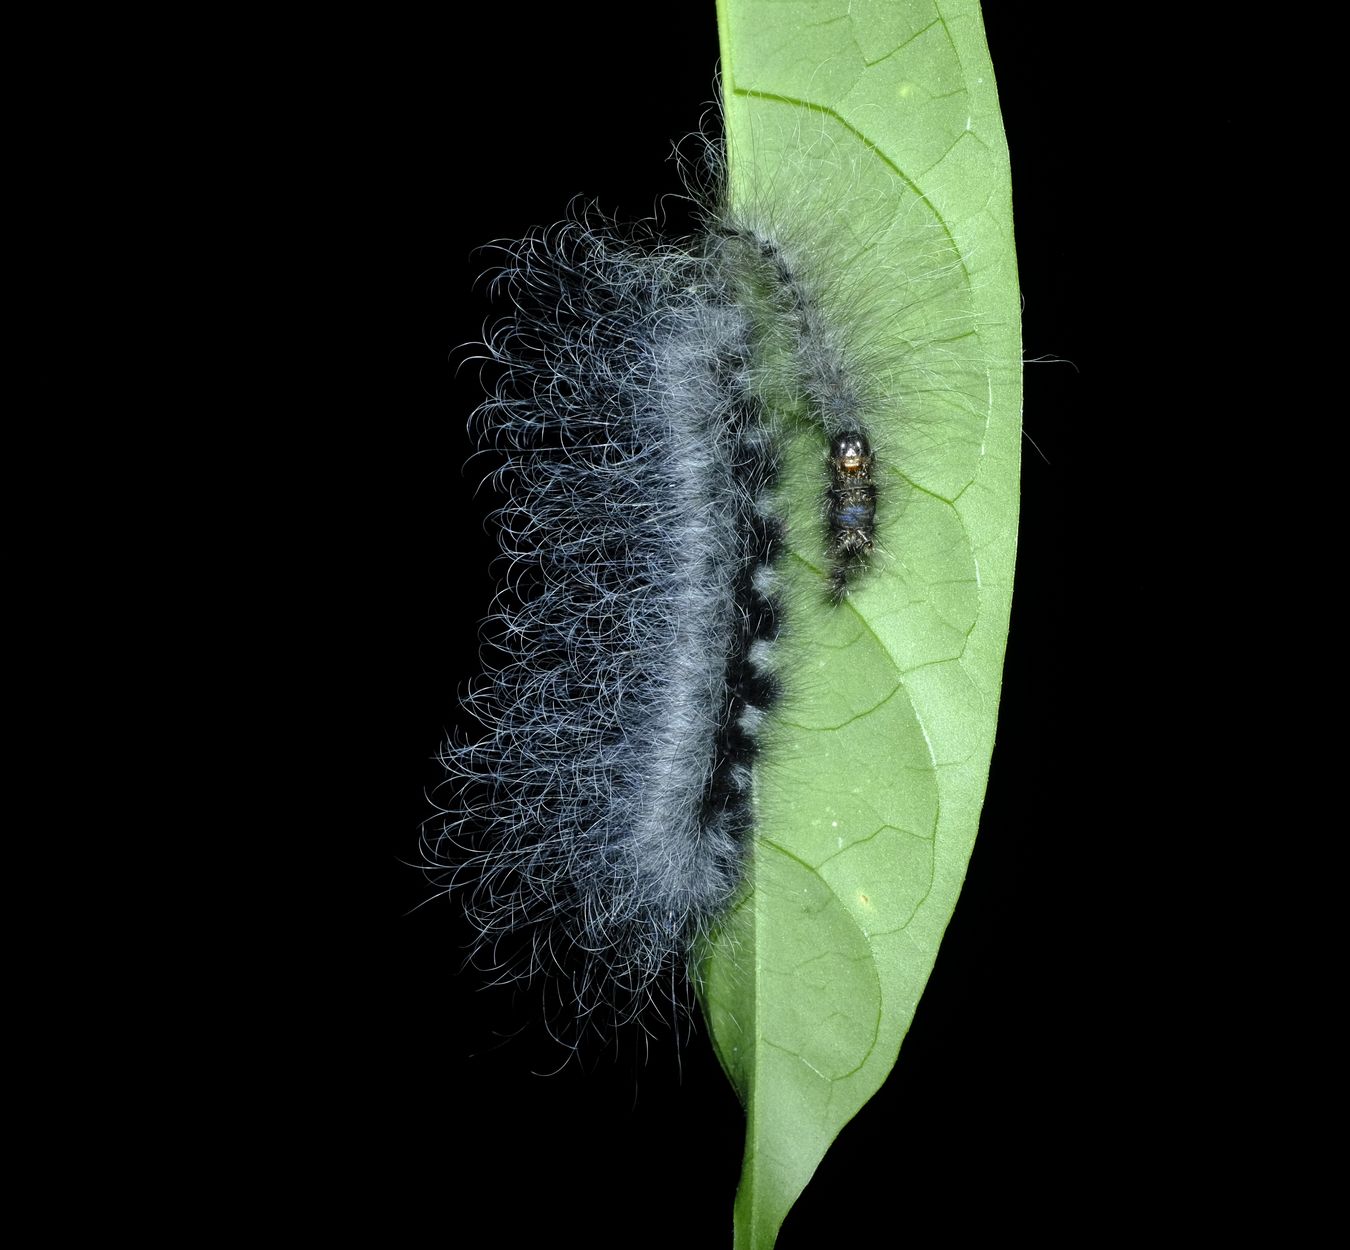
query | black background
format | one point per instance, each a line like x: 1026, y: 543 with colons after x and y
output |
x: 447, y: 1100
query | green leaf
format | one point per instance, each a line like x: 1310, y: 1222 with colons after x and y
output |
x: 876, y: 124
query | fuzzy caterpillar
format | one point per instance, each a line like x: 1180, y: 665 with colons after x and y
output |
x: 603, y: 825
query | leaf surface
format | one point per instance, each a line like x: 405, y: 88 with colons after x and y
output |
x: 871, y: 129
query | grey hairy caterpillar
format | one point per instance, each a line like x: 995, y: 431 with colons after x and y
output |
x: 602, y: 824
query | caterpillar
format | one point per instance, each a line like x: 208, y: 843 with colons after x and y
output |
x: 602, y: 824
